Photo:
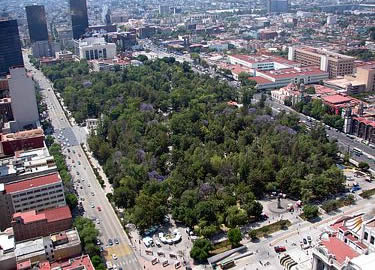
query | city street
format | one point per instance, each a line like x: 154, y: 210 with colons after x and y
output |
x: 95, y: 202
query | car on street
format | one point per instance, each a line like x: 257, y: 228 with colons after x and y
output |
x: 92, y: 205
x: 101, y: 249
x: 79, y: 162
x: 110, y: 242
x: 114, y: 256
x: 98, y: 242
x: 98, y: 221
x: 279, y: 249
x: 309, y: 238
x: 92, y: 193
x: 116, y: 241
x: 99, y: 209
x: 304, y: 241
x: 355, y: 188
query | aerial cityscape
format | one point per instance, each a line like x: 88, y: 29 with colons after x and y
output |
x: 187, y: 134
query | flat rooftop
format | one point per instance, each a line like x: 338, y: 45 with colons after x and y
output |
x: 337, y: 99
x: 82, y: 262
x: 338, y: 248
x: 323, y: 51
x: 50, y: 215
x: 26, y: 163
x: 22, y: 135
x: 32, y: 183
x: 292, y: 72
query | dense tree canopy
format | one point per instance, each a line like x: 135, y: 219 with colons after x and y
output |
x: 169, y: 143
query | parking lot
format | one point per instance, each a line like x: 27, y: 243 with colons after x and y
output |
x: 354, y: 177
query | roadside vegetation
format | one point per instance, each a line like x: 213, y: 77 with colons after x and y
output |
x: 88, y: 235
x: 333, y: 205
x: 366, y: 194
x: 169, y: 143
x: 269, y: 229
x: 316, y: 109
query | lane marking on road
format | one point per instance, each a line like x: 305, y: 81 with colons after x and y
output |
x: 120, y: 250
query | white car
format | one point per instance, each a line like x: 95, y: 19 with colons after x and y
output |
x: 114, y: 256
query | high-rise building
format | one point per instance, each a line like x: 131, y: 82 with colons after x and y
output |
x: 37, y: 22
x: 164, y: 10
x: 80, y: 20
x: 277, y: 6
x: 10, y: 46
x: 22, y: 93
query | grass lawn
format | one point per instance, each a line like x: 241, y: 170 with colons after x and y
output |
x: 271, y: 228
x: 221, y: 247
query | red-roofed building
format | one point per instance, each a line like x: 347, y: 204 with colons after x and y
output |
x: 34, y: 223
x: 78, y: 263
x: 22, y: 140
x: 348, y: 238
x: 37, y: 193
x: 338, y: 102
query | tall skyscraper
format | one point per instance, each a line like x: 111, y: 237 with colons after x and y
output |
x: 37, y: 22
x: 277, y: 6
x: 80, y: 20
x: 10, y: 46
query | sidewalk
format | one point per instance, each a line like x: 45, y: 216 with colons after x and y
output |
x: 95, y: 164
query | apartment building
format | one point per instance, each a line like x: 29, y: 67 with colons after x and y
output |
x: 32, y: 224
x: 78, y: 263
x: 38, y: 193
x: 22, y: 93
x: 27, y: 164
x: 334, y: 63
x: 22, y: 140
x: 54, y: 249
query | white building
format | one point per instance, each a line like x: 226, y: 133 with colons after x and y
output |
x: 279, y: 78
x: 94, y: 48
x: 22, y: 93
x: 348, y: 244
x: 261, y: 62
